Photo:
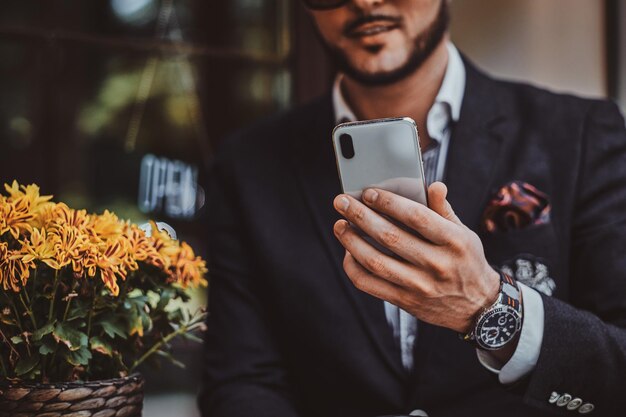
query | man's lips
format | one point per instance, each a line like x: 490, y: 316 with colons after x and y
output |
x: 371, y: 29
x: 371, y: 25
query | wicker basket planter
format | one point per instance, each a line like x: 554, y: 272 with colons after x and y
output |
x: 121, y: 397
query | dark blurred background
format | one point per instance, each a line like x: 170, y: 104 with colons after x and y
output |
x: 119, y: 104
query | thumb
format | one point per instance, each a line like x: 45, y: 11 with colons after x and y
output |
x: 437, y: 202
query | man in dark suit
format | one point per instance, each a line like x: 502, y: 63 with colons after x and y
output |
x: 524, y: 257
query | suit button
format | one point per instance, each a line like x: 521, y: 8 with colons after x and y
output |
x: 574, y: 404
x: 554, y: 397
x: 586, y: 408
x: 565, y: 399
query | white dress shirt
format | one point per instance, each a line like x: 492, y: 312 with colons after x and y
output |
x: 444, y: 112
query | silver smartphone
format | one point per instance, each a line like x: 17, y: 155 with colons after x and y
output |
x: 381, y: 153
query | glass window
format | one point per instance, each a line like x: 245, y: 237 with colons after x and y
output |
x: 118, y: 104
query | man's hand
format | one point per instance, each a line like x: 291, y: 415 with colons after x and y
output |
x: 443, y: 277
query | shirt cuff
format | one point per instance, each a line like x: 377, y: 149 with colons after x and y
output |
x: 526, y: 354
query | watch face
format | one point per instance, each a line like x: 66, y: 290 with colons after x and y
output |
x: 497, y: 327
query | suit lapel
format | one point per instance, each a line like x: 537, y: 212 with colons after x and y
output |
x: 316, y: 172
x: 475, y: 146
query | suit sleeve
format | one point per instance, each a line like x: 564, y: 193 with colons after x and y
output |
x: 243, y: 372
x: 583, y: 353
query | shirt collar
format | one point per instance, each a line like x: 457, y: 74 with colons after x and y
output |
x: 343, y: 113
x: 451, y: 91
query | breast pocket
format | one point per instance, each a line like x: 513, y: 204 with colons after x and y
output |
x: 538, y: 241
x: 530, y: 255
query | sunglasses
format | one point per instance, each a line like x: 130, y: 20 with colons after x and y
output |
x: 324, y: 4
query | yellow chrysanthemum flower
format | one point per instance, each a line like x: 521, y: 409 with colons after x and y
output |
x: 167, y: 247
x: 59, y: 237
x: 90, y: 256
x: 14, y: 272
x: 187, y: 268
x: 69, y: 246
x: 109, y: 263
x: 106, y: 225
x: 141, y: 249
x: 27, y: 192
x: 66, y: 216
x: 41, y: 247
x: 15, y: 217
x: 46, y: 214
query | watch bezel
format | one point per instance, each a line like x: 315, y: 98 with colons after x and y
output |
x: 500, y: 308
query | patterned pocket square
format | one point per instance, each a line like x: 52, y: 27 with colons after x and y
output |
x: 516, y: 206
x: 531, y: 271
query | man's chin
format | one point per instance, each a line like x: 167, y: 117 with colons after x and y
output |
x: 382, y: 67
x: 389, y: 65
x: 376, y: 75
x: 373, y: 77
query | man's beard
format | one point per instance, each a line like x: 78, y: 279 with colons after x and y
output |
x: 423, y: 46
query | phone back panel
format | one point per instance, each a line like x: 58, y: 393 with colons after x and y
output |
x: 386, y: 155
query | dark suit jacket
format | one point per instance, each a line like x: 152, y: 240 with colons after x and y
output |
x: 289, y: 335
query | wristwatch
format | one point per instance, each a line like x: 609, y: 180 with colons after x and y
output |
x: 499, y: 323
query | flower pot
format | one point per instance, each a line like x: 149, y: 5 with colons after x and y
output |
x: 122, y: 397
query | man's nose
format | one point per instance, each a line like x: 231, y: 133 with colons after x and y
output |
x: 366, y: 4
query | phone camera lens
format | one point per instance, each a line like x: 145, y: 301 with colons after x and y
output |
x: 347, y: 147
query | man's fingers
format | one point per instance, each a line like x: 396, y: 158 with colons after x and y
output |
x: 369, y: 283
x: 437, y: 193
x: 376, y: 262
x: 399, y: 241
x: 416, y: 216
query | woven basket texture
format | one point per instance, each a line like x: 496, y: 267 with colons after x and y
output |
x: 121, y: 397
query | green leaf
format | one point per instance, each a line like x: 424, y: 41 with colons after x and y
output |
x: 16, y: 340
x: 146, y: 321
x: 48, y: 346
x: 70, y: 337
x: 186, y: 315
x: 171, y: 359
x: 175, y: 316
x: 100, y: 345
x: 42, y: 331
x: 182, y: 294
x: 79, y: 357
x: 192, y: 337
x: 80, y: 311
x: 166, y: 296
x: 26, y: 365
x: 139, y: 299
x: 113, y: 327
x: 135, y: 324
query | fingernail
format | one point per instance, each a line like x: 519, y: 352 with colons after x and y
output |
x: 343, y: 203
x: 370, y: 195
x: 340, y: 227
